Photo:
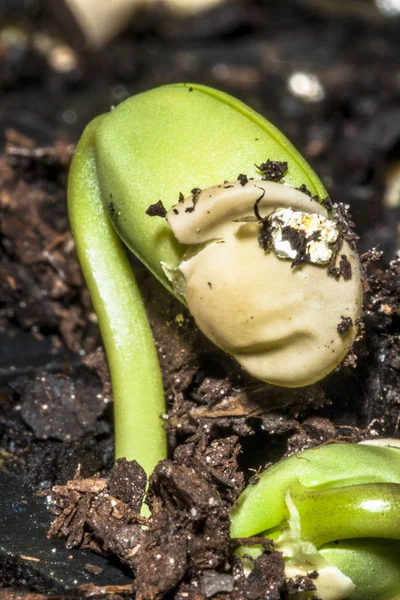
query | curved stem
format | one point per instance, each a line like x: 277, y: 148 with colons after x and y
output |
x: 132, y: 357
x: 368, y: 510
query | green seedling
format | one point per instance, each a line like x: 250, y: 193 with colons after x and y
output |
x: 257, y: 261
x: 335, y: 510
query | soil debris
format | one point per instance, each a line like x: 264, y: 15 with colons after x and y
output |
x: 344, y: 325
x: 58, y: 406
x: 188, y: 532
x: 272, y: 170
x: 156, y: 210
x: 127, y: 481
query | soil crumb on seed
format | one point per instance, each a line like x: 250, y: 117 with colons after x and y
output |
x: 272, y: 170
x: 156, y: 210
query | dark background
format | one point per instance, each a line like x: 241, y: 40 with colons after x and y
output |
x: 347, y: 124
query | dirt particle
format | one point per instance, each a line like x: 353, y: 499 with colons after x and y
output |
x: 213, y: 583
x: 272, y: 170
x: 304, y: 189
x: 112, y: 210
x: 344, y: 325
x: 345, y: 267
x: 242, y: 179
x: 95, y: 569
x: 156, y: 210
x: 127, y: 482
x: 327, y: 203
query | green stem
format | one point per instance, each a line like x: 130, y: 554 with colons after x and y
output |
x: 356, y: 511
x: 372, y: 565
x: 131, y: 353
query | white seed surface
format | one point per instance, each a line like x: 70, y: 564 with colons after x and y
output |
x: 278, y: 321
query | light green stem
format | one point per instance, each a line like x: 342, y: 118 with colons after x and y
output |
x: 356, y: 511
x: 131, y: 353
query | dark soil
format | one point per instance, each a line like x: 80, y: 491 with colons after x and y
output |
x: 55, y: 395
